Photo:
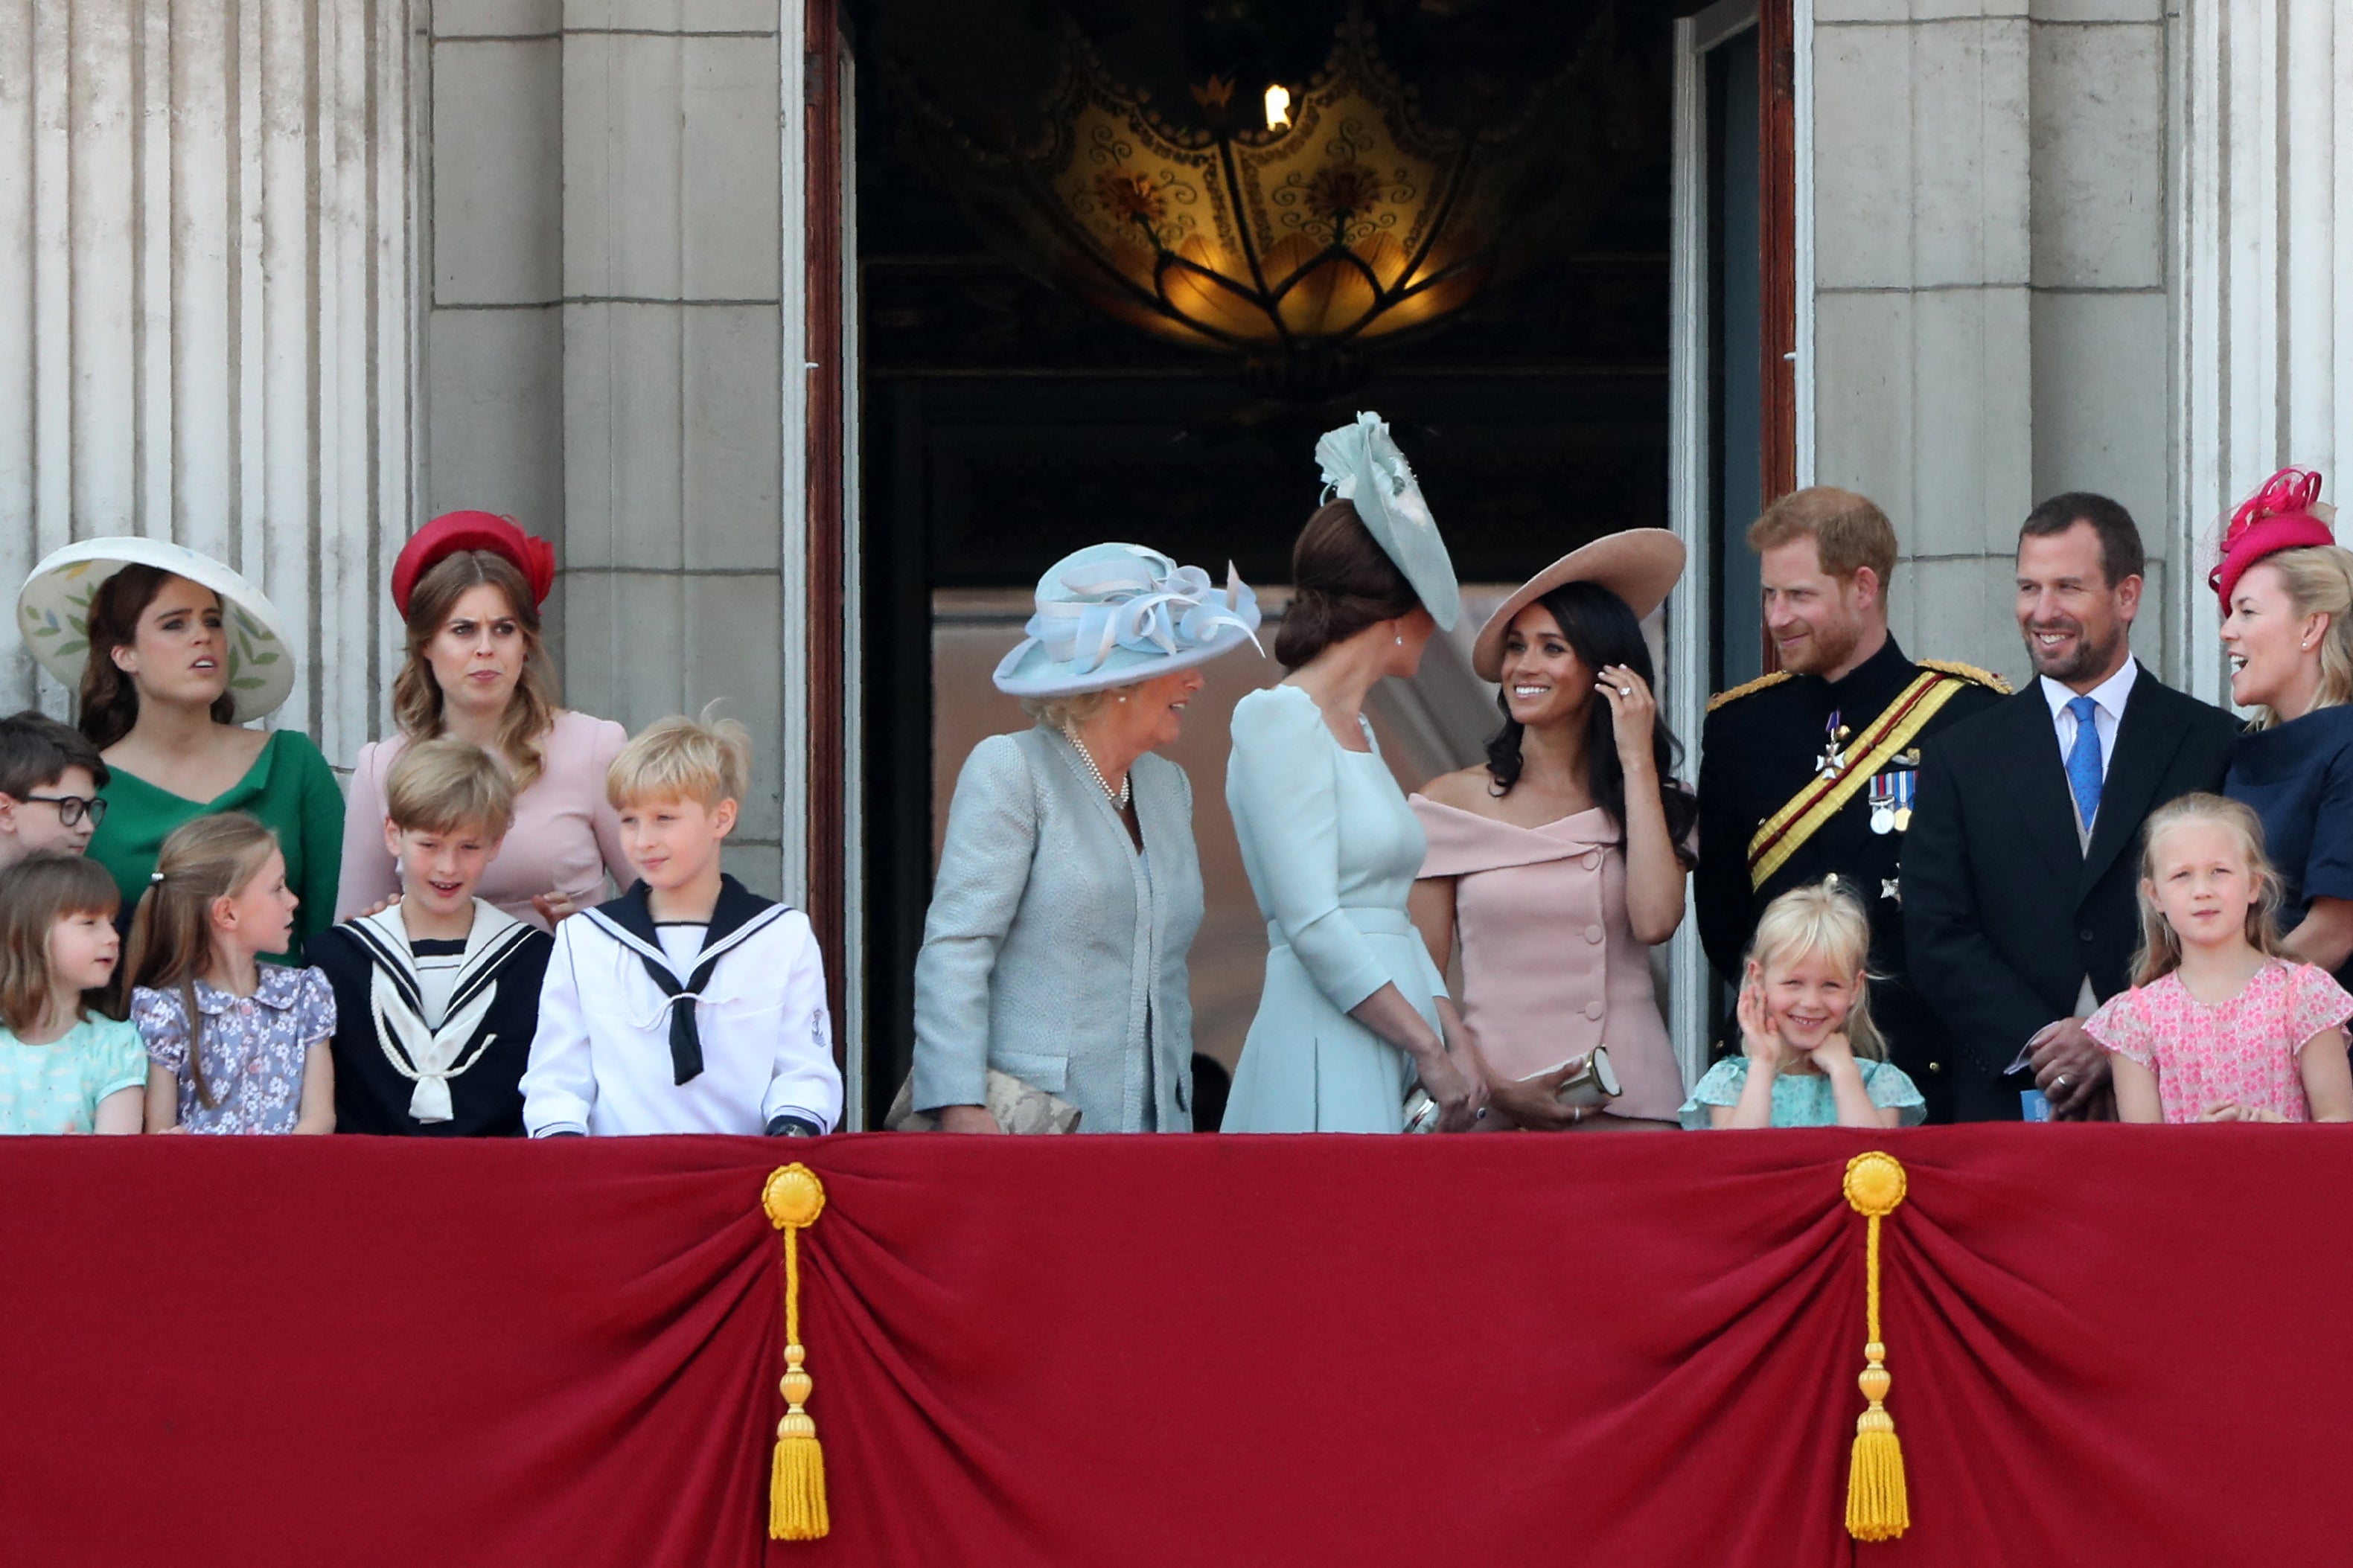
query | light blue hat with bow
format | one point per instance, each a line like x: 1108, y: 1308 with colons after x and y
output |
x: 1363, y: 467
x: 1112, y: 615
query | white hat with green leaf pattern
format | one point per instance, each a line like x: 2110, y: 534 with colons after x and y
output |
x: 53, y: 610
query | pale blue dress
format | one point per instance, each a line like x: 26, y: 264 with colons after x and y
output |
x: 1803, y: 1099
x: 1331, y: 849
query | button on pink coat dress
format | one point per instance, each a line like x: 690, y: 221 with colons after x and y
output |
x: 1550, y: 964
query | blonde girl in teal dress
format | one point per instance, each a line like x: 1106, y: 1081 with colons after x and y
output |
x: 1354, y: 1010
x: 1808, y: 1054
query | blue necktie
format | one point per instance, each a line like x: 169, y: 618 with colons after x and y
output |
x: 2084, y: 761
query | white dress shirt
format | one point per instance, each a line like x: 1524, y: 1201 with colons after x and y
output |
x: 2108, y: 699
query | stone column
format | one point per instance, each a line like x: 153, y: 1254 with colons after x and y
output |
x: 1990, y: 297
x: 2263, y: 367
x: 608, y: 350
x: 205, y: 310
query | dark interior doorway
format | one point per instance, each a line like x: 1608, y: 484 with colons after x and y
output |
x: 1004, y: 422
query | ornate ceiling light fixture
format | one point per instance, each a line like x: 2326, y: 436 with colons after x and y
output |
x: 1348, y: 218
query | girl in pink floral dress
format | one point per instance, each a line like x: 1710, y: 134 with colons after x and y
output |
x: 2218, y: 1026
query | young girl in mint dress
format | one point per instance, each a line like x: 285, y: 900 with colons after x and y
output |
x: 64, y: 1066
x: 1808, y: 1054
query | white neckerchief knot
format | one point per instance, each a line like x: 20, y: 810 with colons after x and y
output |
x: 1147, y: 605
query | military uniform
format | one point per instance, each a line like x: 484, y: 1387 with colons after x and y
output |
x: 1783, y: 801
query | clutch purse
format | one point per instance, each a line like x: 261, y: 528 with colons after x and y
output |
x: 1592, y: 1086
x: 1018, y: 1107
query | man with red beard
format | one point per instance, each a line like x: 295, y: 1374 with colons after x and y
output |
x: 2021, y: 876
x: 1811, y: 771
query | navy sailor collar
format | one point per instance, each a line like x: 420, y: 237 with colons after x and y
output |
x: 734, y: 920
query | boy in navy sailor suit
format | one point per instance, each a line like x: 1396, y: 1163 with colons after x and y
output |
x: 436, y: 996
x: 687, y: 1003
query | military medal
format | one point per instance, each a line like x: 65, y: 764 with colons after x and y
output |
x: 1892, y: 793
x: 1882, y: 803
x: 1832, y: 761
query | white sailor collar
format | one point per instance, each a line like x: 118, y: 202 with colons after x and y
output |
x: 495, y: 935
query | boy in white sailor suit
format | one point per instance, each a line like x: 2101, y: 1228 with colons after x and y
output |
x: 687, y: 1003
x: 437, y: 997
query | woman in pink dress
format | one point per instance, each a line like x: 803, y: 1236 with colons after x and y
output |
x: 469, y: 585
x: 1559, y: 864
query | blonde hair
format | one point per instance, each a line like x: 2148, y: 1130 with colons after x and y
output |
x: 416, y: 696
x: 704, y: 759
x: 2160, y: 948
x: 36, y: 893
x: 172, y: 935
x: 1076, y: 708
x: 444, y: 786
x: 1849, y: 531
x: 1823, y: 920
x: 2319, y: 582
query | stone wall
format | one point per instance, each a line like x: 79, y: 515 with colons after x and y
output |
x: 1991, y: 308
x: 205, y: 311
x: 604, y: 340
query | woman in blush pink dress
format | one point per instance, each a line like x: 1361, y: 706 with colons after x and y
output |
x: 1559, y: 864
x: 469, y: 585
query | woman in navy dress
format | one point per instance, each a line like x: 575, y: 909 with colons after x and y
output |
x: 2287, y: 604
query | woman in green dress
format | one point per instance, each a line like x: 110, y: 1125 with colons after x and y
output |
x: 175, y: 655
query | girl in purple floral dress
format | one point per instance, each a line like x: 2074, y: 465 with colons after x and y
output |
x: 2218, y: 1026
x: 234, y: 1044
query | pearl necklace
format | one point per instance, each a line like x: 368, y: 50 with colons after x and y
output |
x: 1070, y: 734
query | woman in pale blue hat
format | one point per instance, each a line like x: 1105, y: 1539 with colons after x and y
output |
x: 1068, y: 891
x: 1354, y: 1011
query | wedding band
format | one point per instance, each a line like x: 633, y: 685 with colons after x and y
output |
x: 2059, y: 1082
x: 1576, y: 1115
x: 1625, y: 691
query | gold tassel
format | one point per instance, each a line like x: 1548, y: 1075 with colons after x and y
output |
x: 1877, y: 1506
x: 794, y: 1197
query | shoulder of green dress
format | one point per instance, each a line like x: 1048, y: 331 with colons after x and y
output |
x: 1969, y: 672
x: 1746, y: 690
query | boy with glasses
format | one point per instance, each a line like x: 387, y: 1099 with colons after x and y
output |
x: 50, y: 778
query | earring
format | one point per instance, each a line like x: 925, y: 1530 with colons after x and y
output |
x: 1401, y: 639
x: 1122, y: 699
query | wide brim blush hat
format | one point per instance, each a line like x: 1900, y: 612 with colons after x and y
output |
x: 1112, y: 615
x: 53, y: 613
x: 1640, y: 565
x: 1363, y: 467
x: 454, y: 530
x: 2286, y: 514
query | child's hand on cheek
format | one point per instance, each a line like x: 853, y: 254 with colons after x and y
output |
x: 1760, y: 1041
x: 1835, y: 1051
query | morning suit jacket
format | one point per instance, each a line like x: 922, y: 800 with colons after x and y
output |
x: 2005, y: 911
x: 1763, y: 743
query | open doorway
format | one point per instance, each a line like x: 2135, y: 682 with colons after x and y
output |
x: 1004, y: 419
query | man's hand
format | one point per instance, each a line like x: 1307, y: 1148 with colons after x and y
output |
x: 2069, y: 1068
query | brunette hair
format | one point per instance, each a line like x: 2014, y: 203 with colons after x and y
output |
x: 1601, y: 630
x: 2319, y: 582
x: 2121, y: 553
x: 704, y: 759
x: 1824, y: 920
x: 172, y: 934
x: 36, y: 893
x: 110, y: 698
x: 445, y: 785
x: 1342, y: 581
x: 1849, y: 531
x: 417, y: 696
x: 2160, y: 948
x: 36, y: 751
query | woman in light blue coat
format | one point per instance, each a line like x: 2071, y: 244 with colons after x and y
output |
x: 1068, y: 890
x: 1354, y: 1010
